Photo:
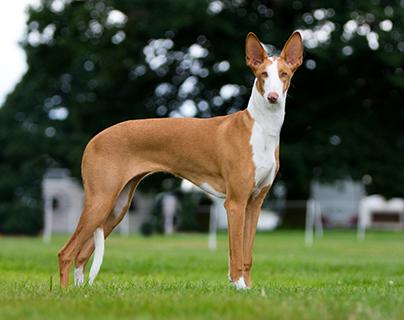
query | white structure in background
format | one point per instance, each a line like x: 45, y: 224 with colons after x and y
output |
x: 376, y: 212
x: 63, y: 203
x: 268, y: 220
x: 168, y: 208
x: 338, y: 201
x: 314, y: 223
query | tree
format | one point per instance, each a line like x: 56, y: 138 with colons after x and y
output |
x: 96, y: 63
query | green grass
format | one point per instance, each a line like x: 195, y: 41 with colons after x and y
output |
x: 178, y: 278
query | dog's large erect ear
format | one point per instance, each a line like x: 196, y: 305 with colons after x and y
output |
x: 255, y: 52
x: 292, y: 51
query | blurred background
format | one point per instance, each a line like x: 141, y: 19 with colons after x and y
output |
x: 91, y: 64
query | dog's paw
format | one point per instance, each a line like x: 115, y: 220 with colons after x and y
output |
x: 78, y: 277
x: 240, y: 284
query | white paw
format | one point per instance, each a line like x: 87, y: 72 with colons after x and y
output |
x: 78, y: 277
x: 240, y: 284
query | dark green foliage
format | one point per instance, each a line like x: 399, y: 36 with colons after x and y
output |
x: 344, y: 117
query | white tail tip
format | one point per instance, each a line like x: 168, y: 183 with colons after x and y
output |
x: 98, y: 254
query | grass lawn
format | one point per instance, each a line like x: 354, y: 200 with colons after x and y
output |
x: 179, y: 278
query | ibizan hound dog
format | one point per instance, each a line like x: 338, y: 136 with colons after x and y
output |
x: 235, y: 157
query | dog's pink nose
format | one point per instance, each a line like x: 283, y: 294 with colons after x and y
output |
x: 273, y: 97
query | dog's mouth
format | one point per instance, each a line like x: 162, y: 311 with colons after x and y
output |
x: 274, y: 104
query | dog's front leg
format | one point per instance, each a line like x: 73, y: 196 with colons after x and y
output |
x: 235, y: 218
x: 252, y: 214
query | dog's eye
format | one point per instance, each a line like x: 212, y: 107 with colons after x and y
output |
x: 284, y: 75
x: 264, y: 74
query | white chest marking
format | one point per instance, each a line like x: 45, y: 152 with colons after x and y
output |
x: 263, y: 149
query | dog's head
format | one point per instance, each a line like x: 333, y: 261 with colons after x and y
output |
x: 273, y: 74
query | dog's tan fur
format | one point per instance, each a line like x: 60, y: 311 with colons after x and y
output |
x: 216, y: 151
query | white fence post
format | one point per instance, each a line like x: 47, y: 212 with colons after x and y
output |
x: 318, y: 220
x: 310, y: 216
x: 47, y: 232
x: 314, y: 223
x: 212, y: 240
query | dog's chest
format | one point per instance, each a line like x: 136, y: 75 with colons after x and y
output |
x: 264, y: 159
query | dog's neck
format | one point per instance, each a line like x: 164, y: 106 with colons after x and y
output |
x: 269, y: 117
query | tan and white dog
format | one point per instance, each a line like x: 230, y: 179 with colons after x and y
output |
x: 235, y: 157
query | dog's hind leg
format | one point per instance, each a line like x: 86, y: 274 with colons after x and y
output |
x: 115, y: 217
x: 120, y: 209
x: 92, y: 217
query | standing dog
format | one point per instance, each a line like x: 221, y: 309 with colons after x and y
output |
x: 235, y: 157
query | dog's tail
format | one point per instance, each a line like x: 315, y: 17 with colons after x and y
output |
x: 98, y: 254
